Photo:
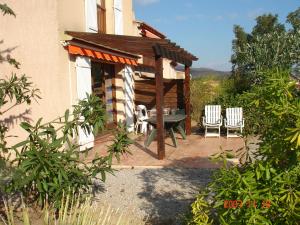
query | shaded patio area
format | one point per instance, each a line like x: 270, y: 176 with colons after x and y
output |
x: 149, y: 53
x: 194, y: 152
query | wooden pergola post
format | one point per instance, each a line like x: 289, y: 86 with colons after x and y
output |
x: 159, y: 84
x: 187, y: 100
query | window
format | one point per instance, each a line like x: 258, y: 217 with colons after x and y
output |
x: 101, y: 12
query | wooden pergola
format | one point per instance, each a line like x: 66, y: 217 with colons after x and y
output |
x: 152, y: 51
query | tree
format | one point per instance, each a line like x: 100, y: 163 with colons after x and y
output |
x: 294, y: 19
x: 239, y: 45
x: 268, y: 46
x: 267, y: 24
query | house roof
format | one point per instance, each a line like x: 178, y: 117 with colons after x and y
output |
x: 149, y: 48
x: 146, y: 27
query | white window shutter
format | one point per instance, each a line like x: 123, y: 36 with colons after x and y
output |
x: 91, y: 15
x: 118, y: 17
x: 84, y: 86
x: 118, y: 4
x: 84, y: 82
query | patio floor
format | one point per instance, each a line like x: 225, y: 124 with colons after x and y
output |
x: 194, y: 152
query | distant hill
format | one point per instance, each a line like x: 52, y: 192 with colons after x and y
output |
x: 202, y: 72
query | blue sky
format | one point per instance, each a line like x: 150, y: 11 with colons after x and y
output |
x: 205, y: 27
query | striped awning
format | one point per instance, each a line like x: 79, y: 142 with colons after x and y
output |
x: 102, y: 55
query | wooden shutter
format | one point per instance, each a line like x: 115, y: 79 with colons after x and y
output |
x: 91, y: 15
x: 101, y: 13
x: 118, y: 17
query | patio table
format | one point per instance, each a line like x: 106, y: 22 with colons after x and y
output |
x: 172, y: 123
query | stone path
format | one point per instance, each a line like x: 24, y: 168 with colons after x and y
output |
x: 157, y: 195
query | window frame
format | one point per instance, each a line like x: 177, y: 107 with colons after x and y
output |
x: 101, y: 17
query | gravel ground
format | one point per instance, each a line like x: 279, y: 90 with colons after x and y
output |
x: 157, y: 195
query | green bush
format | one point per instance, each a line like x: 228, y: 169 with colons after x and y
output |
x: 272, y: 175
x: 200, y: 212
x: 48, y: 163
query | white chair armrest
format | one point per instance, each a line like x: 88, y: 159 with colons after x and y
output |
x: 221, y: 120
x: 225, y: 122
x: 144, y: 118
x: 203, y: 120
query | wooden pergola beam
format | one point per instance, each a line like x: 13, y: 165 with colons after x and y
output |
x: 142, y: 47
x: 133, y: 44
x: 169, y: 54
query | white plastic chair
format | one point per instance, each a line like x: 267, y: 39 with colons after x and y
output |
x: 212, y: 120
x: 141, y: 116
x: 234, y: 120
x: 152, y: 112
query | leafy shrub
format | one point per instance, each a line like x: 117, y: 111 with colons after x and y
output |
x: 48, y: 162
x: 121, y: 142
x: 14, y: 91
x: 200, y: 212
x: 272, y: 175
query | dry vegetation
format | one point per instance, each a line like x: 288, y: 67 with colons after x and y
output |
x: 204, y: 91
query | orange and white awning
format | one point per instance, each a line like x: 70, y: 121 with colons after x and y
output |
x: 102, y: 55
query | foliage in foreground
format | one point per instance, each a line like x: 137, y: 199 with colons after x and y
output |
x: 48, y: 162
x: 266, y: 188
x: 72, y: 211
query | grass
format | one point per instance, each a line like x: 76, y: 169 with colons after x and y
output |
x: 71, y: 212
